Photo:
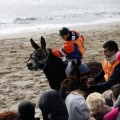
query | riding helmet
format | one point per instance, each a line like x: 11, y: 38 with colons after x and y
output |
x: 63, y: 31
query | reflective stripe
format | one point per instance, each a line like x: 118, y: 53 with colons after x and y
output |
x: 64, y: 50
x: 63, y: 54
x: 60, y: 54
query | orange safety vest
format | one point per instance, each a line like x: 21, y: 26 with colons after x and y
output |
x: 108, y: 68
x: 79, y: 42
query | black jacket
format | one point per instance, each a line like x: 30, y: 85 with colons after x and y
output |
x: 114, y: 79
x: 52, y: 106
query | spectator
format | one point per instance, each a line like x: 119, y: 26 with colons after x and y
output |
x: 111, y: 69
x: 77, y: 107
x: 26, y: 111
x: 107, y: 95
x: 115, y: 113
x: 96, y: 105
x: 52, y: 106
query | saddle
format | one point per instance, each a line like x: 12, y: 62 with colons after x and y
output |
x: 81, y: 66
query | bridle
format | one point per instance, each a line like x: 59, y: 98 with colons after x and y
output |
x: 40, y: 60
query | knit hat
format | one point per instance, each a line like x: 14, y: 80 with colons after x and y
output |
x: 26, y: 110
x: 52, y: 106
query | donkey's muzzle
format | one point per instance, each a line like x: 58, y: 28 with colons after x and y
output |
x: 29, y: 65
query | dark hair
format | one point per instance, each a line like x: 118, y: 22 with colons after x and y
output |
x: 52, y: 106
x: 111, y: 45
x: 67, y: 86
x: 116, y: 90
x: 63, y: 31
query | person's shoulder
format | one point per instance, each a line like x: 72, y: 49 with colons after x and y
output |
x: 74, y: 96
x: 68, y: 43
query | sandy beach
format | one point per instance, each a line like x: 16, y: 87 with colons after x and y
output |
x: 17, y: 83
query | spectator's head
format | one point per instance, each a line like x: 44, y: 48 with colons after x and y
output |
x: 110, y: 48
x: 115, y: 92
x: 52, y: 106
x: 107, y: 95
x: 26, y: 110
x: 95, y: 103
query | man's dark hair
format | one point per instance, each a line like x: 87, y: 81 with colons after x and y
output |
x: 64, y: 31
x: 116, y: 90
x: 111, y: 45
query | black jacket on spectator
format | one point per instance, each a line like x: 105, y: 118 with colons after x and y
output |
x: 114, y: 79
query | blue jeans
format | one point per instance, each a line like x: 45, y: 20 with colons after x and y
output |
x: 83, y: 67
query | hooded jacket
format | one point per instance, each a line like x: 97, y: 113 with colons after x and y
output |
x: 26, y: 111
x: 73, y: 47
x: 52, y: 106
x: 77, y: 107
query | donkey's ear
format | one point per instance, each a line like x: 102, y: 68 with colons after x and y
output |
x: 35, y: 46
x: 43, y: 43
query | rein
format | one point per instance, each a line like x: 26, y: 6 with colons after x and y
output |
x: 40, y: 62
x: 44, y: 61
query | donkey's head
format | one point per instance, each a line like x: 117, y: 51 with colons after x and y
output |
x: 38, y: 58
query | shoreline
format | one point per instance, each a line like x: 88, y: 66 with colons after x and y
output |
x: 46, y: 31
x: 18, y: 83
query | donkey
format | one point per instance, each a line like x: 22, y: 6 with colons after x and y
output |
x: 43, y: 59
x: 74, y: 82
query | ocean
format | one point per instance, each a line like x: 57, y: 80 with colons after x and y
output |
x: 31, y: 15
